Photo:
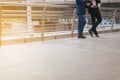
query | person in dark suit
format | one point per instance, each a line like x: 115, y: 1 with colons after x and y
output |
x: 95, y: 14
x: 80, y: 10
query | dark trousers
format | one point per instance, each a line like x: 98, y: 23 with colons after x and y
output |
x: 96, y: 19
x: 81, y: 23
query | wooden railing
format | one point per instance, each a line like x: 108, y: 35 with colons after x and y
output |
x: 17, y: 20
x: 41, y: 19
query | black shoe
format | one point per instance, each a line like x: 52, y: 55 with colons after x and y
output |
x: 97, y: 35
x: 91, y: 33
x: 81, y: 36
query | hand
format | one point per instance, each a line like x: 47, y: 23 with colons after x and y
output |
x: 92, y: 6
x: 88, y: 4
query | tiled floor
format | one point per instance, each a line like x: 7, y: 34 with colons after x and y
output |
x: 63, y: 59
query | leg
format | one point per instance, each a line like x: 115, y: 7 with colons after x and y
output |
x: 91, y: 30
x: 81, y: 24
x: 93, y: 21
x: 99, y: 19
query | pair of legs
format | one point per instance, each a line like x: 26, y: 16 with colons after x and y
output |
x: 81, y: 24
x: 96, y: 19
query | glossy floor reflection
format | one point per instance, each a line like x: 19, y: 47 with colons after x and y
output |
x: 63, y: 59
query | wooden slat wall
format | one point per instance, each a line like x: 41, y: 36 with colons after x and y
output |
x: 56, y: 19
x: 11, y: 15
x: 45, y: 18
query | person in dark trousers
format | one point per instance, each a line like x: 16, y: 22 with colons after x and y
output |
x: 80, y: 10
x: 95, y: 14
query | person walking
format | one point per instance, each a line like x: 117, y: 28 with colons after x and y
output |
x: 96, y: 18
x: 80, y: 11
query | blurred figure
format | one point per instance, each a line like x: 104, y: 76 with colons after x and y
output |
x: 80, y: 10
x: 95, y: 16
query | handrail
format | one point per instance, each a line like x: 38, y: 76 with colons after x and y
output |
x: 43, y: 23
x: 73, y: 23
x: 31, y: 4
x: 45, y: 15
x: 113, y: 18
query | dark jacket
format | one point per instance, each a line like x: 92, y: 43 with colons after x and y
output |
x: 92, y: 10
x: 80, y: 6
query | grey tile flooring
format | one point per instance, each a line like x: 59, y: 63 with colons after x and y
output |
x: 63, y: 59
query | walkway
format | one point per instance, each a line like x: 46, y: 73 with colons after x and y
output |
x: 63, y: 59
